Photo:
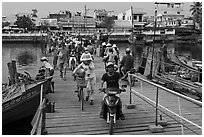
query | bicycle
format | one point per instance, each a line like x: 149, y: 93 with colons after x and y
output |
x: 81, y: 84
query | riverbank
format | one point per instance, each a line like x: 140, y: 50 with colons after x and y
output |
x: 24, y: 37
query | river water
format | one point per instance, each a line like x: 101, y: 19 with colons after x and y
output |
x: 28, y: 57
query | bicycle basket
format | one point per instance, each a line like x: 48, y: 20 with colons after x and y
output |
x: 81, y: 82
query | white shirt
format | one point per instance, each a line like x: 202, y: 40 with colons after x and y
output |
x: 48, y: 65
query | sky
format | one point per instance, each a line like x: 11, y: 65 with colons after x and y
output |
x: 45, y: 7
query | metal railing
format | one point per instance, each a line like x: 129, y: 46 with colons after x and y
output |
x: 38, y: 121
x: 25, y: 34
x: 161, y: 108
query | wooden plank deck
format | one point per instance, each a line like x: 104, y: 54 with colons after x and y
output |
x: 69, y: 119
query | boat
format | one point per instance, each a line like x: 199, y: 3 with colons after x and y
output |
x: 184, y: 61
x: 182, y: 78
x: 21, y: 100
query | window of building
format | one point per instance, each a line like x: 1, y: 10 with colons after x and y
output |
x: 178, y: 12
x: 168, y: 5
x: 140, y: 18
x: 165, y: 12
x: 172, y: 5
x: 134, y: 17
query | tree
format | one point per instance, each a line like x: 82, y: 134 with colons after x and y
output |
x: 5, y: 24
x: 107, y: 23
x: 25, y: 22
x: 196, y: 9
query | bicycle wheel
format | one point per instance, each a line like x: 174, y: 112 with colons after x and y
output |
x: 82, y: 98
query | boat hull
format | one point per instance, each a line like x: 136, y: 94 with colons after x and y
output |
x: 25, y: 105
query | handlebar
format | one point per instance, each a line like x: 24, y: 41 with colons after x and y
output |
x: 132, y: 71
x: 111, y: 90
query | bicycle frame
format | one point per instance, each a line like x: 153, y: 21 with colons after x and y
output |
x: 81, y: 84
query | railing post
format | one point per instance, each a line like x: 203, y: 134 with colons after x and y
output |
x: 157, y: 100
x: 129, y: 81
x: 130, y: 105
x: 43, y: 131
x: 179, y: 105
x: 156, y: 128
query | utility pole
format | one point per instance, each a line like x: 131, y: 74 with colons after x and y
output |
x: 85, y: 18
x: 155, y: 24
x: 73, y: 22
x: 132, y: 36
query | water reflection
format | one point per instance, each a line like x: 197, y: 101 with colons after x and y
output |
x: 27, y: 56
x: 194, y: 50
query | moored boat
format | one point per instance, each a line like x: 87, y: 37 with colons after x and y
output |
x: 22, y: 100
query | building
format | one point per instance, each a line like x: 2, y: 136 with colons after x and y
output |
x: 65, y: 20
x: 169, y: 14
x: 77, y: 23
x: 60, y: 15
x: 50, y: 23
x: 131, y: 18
x: 99, y: 15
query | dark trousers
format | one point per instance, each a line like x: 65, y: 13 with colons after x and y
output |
x: 61, y: 65
x: 55, y: 61
x: 51, y: 72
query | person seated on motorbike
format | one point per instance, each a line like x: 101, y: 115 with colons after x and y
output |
x: 127, y: 62
x: 47, y: 65
x: 112, y: 79
x: 79, y: 51
x: 72, y: 56
x: 116, y: 52
x: 90, y: 76
x: 110, y: 57
x: 86, y: 52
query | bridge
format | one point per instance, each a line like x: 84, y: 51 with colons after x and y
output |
x: 155, y: 108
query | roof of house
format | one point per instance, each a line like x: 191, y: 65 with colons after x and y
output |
x: 123, y: 23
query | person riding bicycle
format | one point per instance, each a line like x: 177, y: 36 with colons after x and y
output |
x: 127, y: 62
x: 88, y: 65
x: 112, y: 79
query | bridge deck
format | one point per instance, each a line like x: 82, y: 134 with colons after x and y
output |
x: 69, y: 119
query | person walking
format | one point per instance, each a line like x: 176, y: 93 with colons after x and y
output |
x: 61, y: 59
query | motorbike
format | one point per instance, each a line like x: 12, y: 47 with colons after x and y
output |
x: 111, y: 106
x: 72, y: 62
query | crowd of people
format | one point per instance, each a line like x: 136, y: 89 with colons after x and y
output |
x: 64, y: 48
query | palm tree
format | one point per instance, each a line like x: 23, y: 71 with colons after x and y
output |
x: 196, y: 9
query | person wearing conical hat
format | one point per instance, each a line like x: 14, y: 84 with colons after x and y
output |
x: 88, y: 65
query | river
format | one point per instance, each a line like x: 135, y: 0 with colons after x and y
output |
x: 28, y: 57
